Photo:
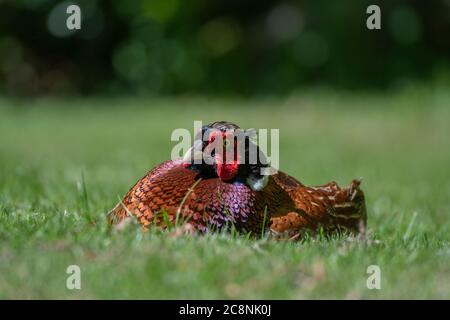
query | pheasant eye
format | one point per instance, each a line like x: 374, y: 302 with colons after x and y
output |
x: 226, y: 143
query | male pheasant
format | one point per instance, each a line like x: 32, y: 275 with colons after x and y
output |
x: 223, y: 194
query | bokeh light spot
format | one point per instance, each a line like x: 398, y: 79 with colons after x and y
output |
x: 160, y: 10
x: 130, y: 61
x: 405, y: 25
x: 56, y: 22
x: 220, y: 35
x: 284, y: 22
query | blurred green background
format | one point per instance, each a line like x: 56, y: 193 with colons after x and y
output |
x: 220, y: 47
x: 83, y: 115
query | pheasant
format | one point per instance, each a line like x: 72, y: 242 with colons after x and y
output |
x: 223, y: 193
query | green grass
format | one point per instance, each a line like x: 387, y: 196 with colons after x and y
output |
x: 64, y: 163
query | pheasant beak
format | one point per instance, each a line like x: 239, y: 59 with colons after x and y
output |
x: 192, y: 156
x: 195, y: 155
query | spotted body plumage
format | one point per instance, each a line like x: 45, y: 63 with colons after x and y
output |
x: 173, y: 192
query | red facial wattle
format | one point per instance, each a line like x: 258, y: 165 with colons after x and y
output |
x: 226, y: 171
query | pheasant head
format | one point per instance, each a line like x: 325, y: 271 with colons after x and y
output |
x: 224, y: 150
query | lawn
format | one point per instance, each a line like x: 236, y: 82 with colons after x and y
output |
x: 65, y: 162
